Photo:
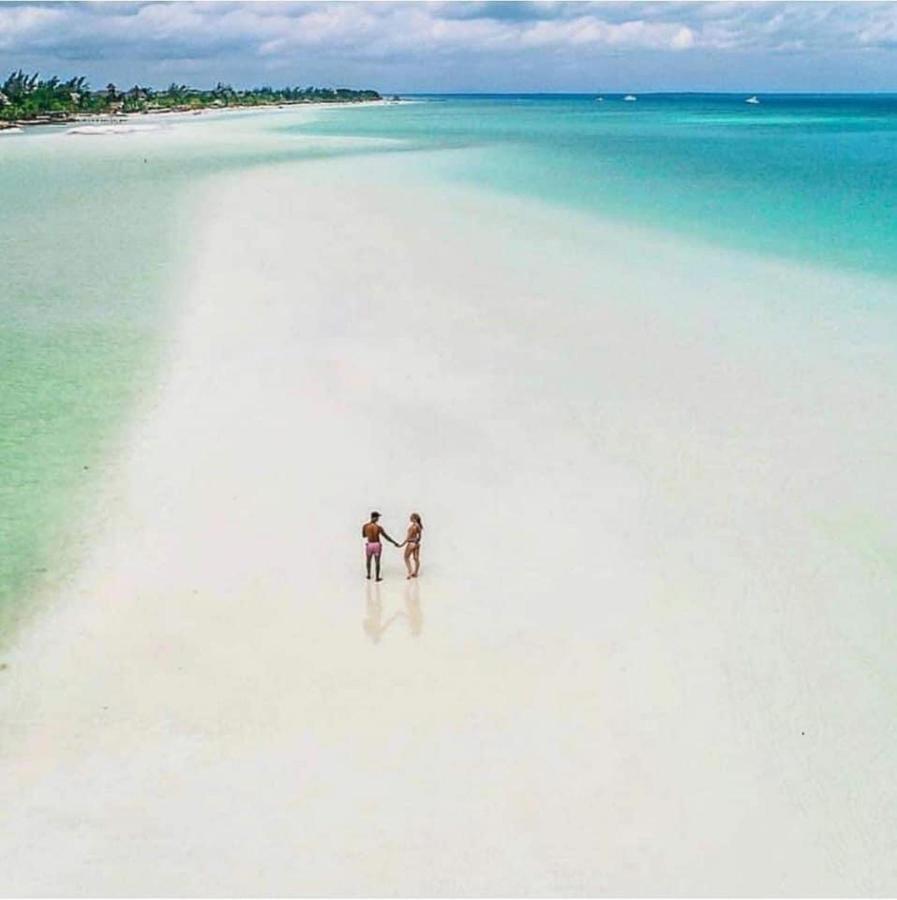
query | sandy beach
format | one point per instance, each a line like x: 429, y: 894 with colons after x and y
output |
x: 631, y: 664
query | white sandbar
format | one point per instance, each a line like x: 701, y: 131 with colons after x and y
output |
x: 643, y: 656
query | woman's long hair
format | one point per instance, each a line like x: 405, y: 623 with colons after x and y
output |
x: 416, y: 518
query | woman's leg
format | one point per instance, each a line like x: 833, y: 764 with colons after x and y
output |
x: 416, y: 559
x: 408, y: 551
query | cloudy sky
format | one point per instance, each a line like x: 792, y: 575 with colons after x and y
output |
x: 463, y: 46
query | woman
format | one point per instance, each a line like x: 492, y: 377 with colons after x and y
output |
x: 412, y: 545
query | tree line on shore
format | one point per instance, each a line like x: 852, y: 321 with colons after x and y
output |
x: 25, y: 97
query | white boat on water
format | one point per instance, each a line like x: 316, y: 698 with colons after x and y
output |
x: 630, y: 98
x: 752, y: 100
x: 599, y: 99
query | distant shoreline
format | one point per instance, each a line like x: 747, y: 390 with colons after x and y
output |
x: 113, y: 118
x: 27, y: 100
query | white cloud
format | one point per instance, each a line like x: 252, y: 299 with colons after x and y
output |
x: 22, y: 23
x: 635, y: 33
x: 405, y: 35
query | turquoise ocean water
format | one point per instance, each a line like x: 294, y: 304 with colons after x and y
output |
x: 95, y: 235
x: 805, y: 177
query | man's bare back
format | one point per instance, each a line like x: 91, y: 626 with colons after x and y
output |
x: 371, y: 532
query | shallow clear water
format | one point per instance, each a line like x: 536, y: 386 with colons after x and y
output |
x: 804, y: 177
x: 84, y: 242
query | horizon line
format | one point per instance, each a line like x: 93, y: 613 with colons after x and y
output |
x: 644, y: 93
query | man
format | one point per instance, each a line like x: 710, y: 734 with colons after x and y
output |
x: 371, y: 532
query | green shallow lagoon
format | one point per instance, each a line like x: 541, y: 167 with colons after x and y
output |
x: 86, y: 248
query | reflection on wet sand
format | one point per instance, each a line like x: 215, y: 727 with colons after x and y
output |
x: 373, y: 622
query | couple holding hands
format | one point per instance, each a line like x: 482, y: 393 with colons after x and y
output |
x: 372, y: 531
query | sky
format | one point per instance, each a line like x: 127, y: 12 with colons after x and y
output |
x: 462, y: 46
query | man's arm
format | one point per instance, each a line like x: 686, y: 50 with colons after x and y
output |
x: 391, y: 541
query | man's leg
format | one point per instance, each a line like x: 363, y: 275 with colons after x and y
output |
x: 377, y: 565
x: 367, y: 563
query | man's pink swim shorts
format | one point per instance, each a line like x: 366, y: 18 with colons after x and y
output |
x: 373, y: 548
